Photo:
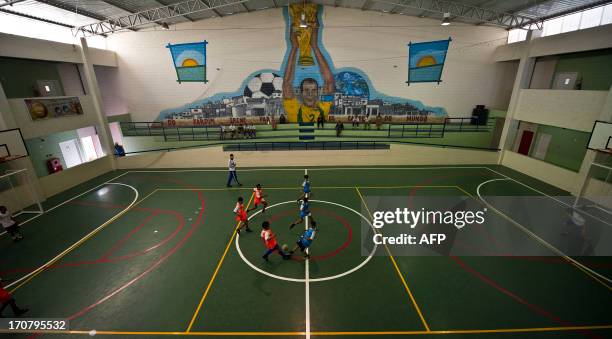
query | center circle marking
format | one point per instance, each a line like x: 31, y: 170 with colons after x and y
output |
x: 331, y: 277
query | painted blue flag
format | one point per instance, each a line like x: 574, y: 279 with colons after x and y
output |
x: 426, y: 60
x: 189, y: 61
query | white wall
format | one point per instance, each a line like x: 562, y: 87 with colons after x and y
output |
x: 63, y: 180
x: 571, y: 42
x: 244, y: 43
x: 543, y: 73
x: 71, y: 79
x: 397, y: 155
x: 113, y: 101
x: 575, y: 110
x: 28, y: 48
x: 551, y: 174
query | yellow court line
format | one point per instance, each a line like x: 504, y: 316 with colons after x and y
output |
x: 541, y: 241
x: 332, y: 333
x: 80, y: 242
x: 229, y: 243
x: 416, y: 306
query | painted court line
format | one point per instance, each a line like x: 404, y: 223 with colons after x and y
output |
x: 332, y: 277
x: 401, y: 276
x: 336, y: 333
x: 542, y: 241
x: 23, y: 280
x: 229, y: 243
x: 69, y: 200
x: 307, y: 278
x: 547, y: 195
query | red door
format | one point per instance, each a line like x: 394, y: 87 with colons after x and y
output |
x: 526, y: 139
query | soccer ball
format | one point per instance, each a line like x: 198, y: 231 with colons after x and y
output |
x: 285, y: 248
x: 264, y: 85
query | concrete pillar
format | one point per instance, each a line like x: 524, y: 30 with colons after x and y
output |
x: 522, y: 80
x: 6, y: 116
x: 106, y: 139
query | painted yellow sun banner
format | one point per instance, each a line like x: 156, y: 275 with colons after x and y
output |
x: 189, y: 61
x: 426, y: 60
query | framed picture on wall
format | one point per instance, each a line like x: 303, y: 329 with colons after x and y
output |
x: 41, y: 108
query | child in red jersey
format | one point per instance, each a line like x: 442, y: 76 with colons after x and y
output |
x: 269, y: 239
x: 259, y: 199
x: 241, y: 216
x: 7, y: 300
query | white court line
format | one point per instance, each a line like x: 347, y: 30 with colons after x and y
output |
x: 540, y: 240
x: 69, y: 200
x: 82, y: 239
x: 307, y: 278
x: 337, y: 276
x: 549, y: 196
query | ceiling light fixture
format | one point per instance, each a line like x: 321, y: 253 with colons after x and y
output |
x: 445, y: 19
x: 165, y: 26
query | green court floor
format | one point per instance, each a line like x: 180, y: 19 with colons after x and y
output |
x: 153, y: 254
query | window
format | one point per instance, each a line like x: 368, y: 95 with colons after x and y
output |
x: 571, y: 22
x: 516, y: 35
x: 607, y: 15
x: 581, y: 20
x: 88, y: 147
x: 552, y: 27
x: 591, y: 18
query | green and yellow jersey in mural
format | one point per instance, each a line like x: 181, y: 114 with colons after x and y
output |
x: 298, y: 112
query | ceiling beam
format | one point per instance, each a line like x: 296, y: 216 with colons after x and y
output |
x: 461, y: 10
x: 514, y: 10
x: 367, y: 5
x: 217, y: 13
x: 245, y: 7
x: 540, y: 20
x: 10, y: 2
x: 164, y: 4
x: 121, y: 7
x: 72, y: 9
x: 145, y: 17
x: 8, y: 11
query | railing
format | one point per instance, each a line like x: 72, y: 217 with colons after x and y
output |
x: 305, y: 146
x: 202, y: 133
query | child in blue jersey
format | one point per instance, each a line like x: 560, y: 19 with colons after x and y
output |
x: 304, y: 212
x: 305, y: 188
x: 305, y: 240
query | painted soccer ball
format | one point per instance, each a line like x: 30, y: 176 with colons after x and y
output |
x: 264, y: 85
x: 38, y: 110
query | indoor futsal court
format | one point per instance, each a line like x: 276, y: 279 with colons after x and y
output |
x: 306, y: 169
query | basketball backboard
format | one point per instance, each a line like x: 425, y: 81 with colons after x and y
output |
x: 601, y: 137
x: 12, y: 145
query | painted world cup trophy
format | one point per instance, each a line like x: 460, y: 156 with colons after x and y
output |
x: 304, y: 15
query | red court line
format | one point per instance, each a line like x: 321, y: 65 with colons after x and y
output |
x: 520, y: 300
x: 145, y: 272
x: 103, y: 259
x: 492, y: 283
x: 122, y: 241
x: 342, y: 220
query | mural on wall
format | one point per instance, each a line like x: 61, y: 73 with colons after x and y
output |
x: 189, y: 61
x: 46, y: 108
x: 306, y: 87
x: 426, y: 60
